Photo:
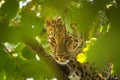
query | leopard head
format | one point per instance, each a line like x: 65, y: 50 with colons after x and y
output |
x: 63, y: 44
x: 56, y: 32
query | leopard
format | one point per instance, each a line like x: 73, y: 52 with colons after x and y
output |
x: 65, y: 47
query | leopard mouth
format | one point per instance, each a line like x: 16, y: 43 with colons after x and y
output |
x: 62, y: 59
x: 62, y: 62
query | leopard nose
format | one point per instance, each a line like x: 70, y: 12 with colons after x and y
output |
x: 60, y: 58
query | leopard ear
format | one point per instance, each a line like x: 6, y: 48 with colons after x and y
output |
x: 48, y: 21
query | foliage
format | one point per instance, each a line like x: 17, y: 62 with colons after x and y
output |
x: 21, y: 23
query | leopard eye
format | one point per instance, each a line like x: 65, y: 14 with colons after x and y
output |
x: 52, y: 39
x: 51, y: 32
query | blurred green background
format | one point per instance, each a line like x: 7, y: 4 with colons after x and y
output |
x: 24, y: 20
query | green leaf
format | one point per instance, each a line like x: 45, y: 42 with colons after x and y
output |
x: 19, y: 47
x: 3, y: 58
x: 8, y: 10
x: 10, y: 34
x: 52, y: 8
x: 28, y: 53
x: 31, y: 23
x: 10, y: 66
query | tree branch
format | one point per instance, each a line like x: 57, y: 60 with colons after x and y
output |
x: 56, y: 68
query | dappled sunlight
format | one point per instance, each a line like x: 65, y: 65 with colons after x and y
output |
x: 1, y: 3
x: 29, y: 79
x: 22, y: 4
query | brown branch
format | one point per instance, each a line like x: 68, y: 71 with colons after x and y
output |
x: 59, y: 72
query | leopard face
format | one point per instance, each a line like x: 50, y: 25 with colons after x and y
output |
x: 56, y: 32
x: 62, y: 43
